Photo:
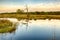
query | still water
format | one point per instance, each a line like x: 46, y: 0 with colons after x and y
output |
x: 34, y: 30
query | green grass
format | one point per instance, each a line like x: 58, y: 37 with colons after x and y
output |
x: 6, y: 26
x: 7, y: 29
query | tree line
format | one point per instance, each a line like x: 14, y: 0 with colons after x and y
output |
x: 19, y: 11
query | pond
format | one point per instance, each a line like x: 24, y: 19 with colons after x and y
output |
x: 34, y: 30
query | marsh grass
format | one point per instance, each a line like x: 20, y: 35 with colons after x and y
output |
x: 20, y: 16
x: 6, y: 26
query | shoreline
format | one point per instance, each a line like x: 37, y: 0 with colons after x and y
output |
x: 24, y: 16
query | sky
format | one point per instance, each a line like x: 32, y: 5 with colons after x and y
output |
x: 33, y: 5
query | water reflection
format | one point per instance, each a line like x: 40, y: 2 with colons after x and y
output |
x: 39, y: 29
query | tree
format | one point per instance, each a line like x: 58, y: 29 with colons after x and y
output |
x: 20, y: 11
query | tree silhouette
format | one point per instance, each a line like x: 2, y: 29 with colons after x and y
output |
x: 19, y: 11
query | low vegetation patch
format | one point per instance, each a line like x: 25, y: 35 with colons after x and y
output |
x: 6, y: 26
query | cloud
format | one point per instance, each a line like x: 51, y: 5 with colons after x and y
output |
x: 34, y: 5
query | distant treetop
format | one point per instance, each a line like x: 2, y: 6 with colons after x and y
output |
x: 19, y: 11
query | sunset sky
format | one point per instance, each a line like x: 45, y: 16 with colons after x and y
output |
x: 33, y: 5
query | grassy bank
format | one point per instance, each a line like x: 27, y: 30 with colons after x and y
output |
x: 7, y: 29
x: 6, y: 26
x: 31, y: 16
